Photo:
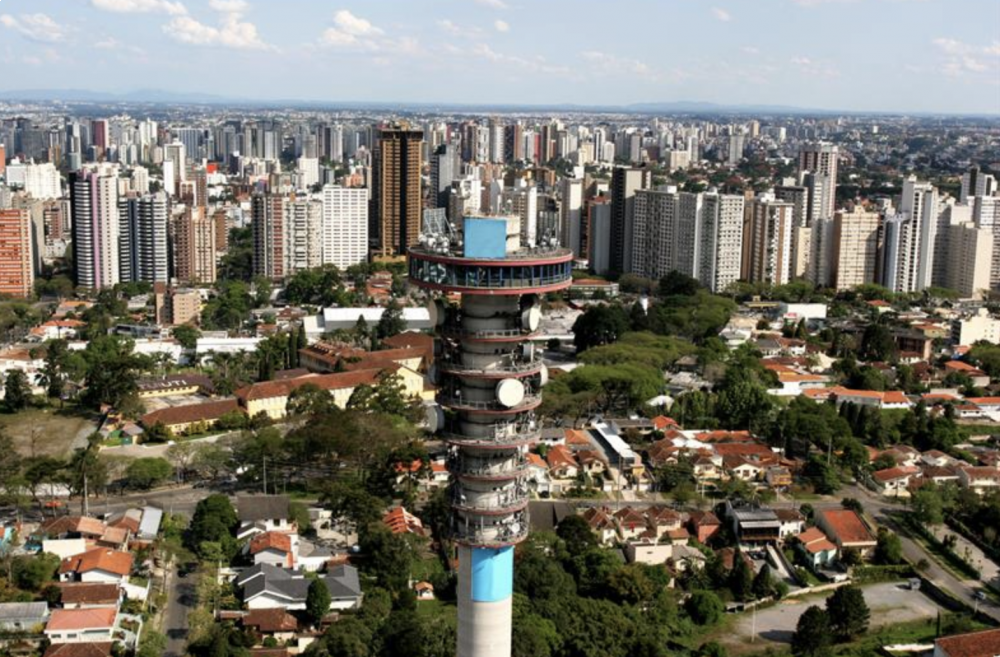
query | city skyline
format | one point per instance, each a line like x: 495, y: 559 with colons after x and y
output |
x: 808, y: 54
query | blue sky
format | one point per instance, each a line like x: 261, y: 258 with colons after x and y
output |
x: 894, y: 55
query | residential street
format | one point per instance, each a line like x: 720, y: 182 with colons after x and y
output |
x: 180, y: 601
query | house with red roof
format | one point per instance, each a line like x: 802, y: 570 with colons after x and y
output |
x: 895, y: 482
x: 97, y: 565
x: 401, y: 521
x: 562, y: 462
x: 82, y: 625
x: 846, y: 528
x: 816, y: 547
x: 973, y: 644
x: 980, y: 480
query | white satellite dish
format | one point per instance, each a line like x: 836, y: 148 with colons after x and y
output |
x: 543, y: 375
x: 531, y: 318
x: 436, y: 310
x: 434, y: 418
x: 510, y: 392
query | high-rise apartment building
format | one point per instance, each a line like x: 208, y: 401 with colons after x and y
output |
x: 396, y: 202
x: 767, y: 241
x: 17, y: 271
x: 664, y: 237
x: 446, y: 167
x: 909, y: 239
x: 268, y: 217
x: 40, y: 181
x: 970, y: 257
x: 599, y: 210
x: 94, y: 203
x: 625, y: 182
x: 303, y: 235
x: 194, y: 247
x: 977, y: 183
x: 345, y: 226
x: 854, y: 249
x: 821, y: 158
x: 721, y: 237
x: 571, y: 206
x: 986, y: 214
x: 142, y: 238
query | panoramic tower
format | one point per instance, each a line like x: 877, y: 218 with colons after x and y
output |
x: 489, y: 380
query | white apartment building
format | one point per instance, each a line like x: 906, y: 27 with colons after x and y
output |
x: 344, y: 226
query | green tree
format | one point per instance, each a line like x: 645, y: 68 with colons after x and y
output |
x: 187, y: 336
x: 16, y: 391
x: 318, y: 601
x: 575, y: 531
x: 877, y: 344
x: 144, y: 473
x: 928, y: 505
x: 848, y: 612
x: 763, y: 584
x: 888, y: 549
x: 812, y: 634
x: 741, y: 578
x: 391, y: 323
x: 704, y: 608
x: 599, y: 325
x: 54, y: 375
x: 214, y: 521
x: 32, y: 573
x: 112, y: 371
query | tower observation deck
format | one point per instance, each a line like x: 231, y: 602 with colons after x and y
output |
x: 489, y: 381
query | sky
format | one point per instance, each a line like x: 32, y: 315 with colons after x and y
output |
x: 857, y: 55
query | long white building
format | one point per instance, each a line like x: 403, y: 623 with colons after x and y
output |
x: 41, y: 181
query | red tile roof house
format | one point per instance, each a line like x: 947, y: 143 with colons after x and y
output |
x: 86, y: 595
x: 275, y: 548
x: 981, y: 480
x: 562, y: 462
x: 980, y: 379
x: 99, y: 565
x: 814, y: 544
x: 631, y: 523
x: 703, y: 525
x: 79, y: 650
x: 973, y: 644
x: 847, y: 530
x: 81, y: 625
x: 275, y: 622
x: 895, y: 482
x: 602, y: 524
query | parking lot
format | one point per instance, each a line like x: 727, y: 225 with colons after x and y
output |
x: 889, y: 603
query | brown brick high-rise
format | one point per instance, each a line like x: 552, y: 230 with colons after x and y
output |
x: 396, y: 195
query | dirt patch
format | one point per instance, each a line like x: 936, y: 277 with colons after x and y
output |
x: 45, y: 432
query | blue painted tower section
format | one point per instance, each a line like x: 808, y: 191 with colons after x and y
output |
x: 492, y: 574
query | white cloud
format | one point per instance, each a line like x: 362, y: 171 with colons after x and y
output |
x: 501, y: 26
x: 721, y: 14
x: 113, y: 44
x: 229, y: 6
x: 454, y: 29
x: 233, y: 32
x: 964, y: 59
x: 815, y: 68
x: 493, y: 4
x: 356, y: 33
x: 751, y: 50
x: 610, y: 64
x: 537, y: 64
x: 141, y: 6
x: 817, y: 3
x: 37, y: 27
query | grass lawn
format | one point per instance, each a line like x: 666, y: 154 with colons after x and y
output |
x: 52, y: 430
x: 436, y: 609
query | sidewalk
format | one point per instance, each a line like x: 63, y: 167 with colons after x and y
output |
x: 968, y: 551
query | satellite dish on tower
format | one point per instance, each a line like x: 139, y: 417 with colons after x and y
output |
x: 510, y: 392
x: 434, y: 418
x: 531, y: 318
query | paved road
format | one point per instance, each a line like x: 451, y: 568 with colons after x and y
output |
x: 964, y: 590
x: 180, y: 602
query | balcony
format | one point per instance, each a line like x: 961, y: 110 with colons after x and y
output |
x: 492, y: 532
x: 531, y: 401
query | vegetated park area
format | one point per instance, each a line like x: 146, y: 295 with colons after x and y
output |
x: 45, y: 431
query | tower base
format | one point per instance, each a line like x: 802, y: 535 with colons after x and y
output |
x: 485, y: 601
